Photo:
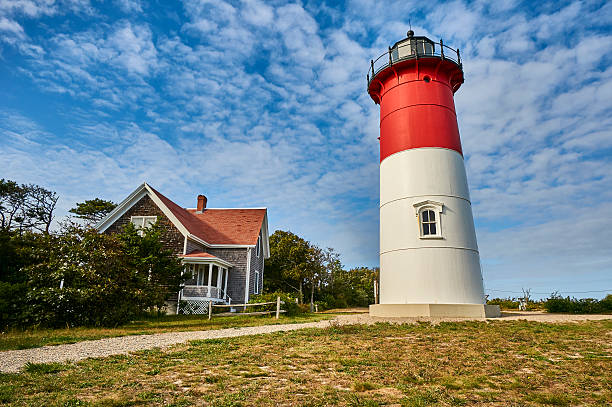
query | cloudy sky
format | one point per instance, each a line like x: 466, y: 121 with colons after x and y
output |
x: 264, y: 104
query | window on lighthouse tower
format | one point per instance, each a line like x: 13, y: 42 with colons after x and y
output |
x: 428, y: 223
x: 428, y: 215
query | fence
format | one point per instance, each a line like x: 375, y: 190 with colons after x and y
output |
x: 277, y: 312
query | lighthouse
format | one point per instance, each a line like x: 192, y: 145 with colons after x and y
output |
x: 429, y: 260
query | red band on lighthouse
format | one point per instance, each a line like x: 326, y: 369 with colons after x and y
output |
x: 416, y: 105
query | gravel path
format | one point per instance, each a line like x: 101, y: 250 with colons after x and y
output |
x: 13, y: 360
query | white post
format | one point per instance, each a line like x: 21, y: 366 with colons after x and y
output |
x: 375, y: 292
x: 219, y: 277
x: 225, y: 284
x: 209, y: 278
x: 277, y: 307
x: 209, y: 309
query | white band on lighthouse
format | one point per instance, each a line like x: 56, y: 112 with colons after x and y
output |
x: 437, y: 268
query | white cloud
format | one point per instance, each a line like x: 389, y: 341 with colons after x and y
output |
x: 134, y: 48
x: 11, y: 27
x: 256, y: 12
x: 264, y: 104
x: 29, y: 8
x: 129, y: 6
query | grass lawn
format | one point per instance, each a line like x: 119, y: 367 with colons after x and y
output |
x: 472, y: 363
x: 34, y: 338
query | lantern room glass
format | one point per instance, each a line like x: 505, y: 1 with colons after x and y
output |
x: 412, y: 47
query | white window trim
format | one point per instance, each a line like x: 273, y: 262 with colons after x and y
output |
x: 258, y: 247
x: 143, y: 221
x: 437, y: 207
x: 256, y: 289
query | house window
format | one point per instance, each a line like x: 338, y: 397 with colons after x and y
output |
x: 258, y: 247
x: 429, y: 223
x: 142, y: 222
x: 256, y: 282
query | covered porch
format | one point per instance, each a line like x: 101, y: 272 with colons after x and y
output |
x: 207, y: 278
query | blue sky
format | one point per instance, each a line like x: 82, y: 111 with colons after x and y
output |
x: 264, y: 104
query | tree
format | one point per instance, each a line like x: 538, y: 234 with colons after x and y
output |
x: 87, y: 278
x: 12, y: 202
x: 320, y: 269
x: 93, y: 210
x: 158, y: 269
x: 288, y: 264
x: 40, y: 207
x: 295, y: 264
x: 26, y: 207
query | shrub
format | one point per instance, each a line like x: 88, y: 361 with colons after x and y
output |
x: 88, y: 278
x: 557, y: 303
x: 504, y: 303
x: 11, y: 303
x: 514, y: 303
x: 606, y: 303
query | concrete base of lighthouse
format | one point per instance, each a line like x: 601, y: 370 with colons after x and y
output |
x: 471, y: 311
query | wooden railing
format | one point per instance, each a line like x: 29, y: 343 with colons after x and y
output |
x: 277, y: 312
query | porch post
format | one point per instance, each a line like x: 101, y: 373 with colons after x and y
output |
x: 225, y: 285
x: 219, y: 277
x: 209, y: 278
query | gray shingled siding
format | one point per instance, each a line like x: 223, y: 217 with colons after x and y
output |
x: 171, y: 238
x: 194, y: 246
x: 237, y: 274
x: 257, y: 263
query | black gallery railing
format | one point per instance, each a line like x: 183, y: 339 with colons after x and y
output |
x: 412, y: 48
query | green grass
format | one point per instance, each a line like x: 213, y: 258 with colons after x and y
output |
x: 452, y: 364
x: 34, y: 338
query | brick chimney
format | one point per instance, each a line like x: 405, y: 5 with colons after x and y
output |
x: 201, y: 203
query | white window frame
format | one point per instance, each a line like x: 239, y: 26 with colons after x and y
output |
x: 256, y: 288
x: 143, y: 220
x: 258, y: 249
x: 437, y: 208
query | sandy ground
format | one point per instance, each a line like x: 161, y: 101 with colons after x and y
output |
x: 14, y: 360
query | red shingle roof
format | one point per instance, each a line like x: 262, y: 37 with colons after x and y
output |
x: 199, y: 254
x: 219, y: 226
x: 228, y: 226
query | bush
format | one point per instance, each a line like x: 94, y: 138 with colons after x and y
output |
x: 514, y: 303
x: 290, y: 305
x: 11, y: 303
x: 87, y: 278
x: 330, y: 301
x: 606, y: 303
x: 504, y: 303
x: 556, y: 303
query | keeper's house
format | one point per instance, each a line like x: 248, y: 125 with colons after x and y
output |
x: 223, y: 250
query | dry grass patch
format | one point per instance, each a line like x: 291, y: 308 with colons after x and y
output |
x: 471, y: 363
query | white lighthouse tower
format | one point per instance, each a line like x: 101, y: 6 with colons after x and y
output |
x: 429, y: 260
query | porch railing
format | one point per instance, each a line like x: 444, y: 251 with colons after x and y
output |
x: 202, y: 291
